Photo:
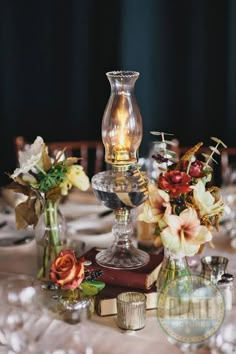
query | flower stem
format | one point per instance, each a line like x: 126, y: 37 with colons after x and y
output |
x: 52, y: 242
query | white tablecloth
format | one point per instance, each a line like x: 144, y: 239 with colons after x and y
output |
x: 105, y: 336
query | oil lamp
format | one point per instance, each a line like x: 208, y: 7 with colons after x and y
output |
x: 123, y: 186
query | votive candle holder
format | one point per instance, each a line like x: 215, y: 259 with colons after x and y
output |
x: 131, y: 310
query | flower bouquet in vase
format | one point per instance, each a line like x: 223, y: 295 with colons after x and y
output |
x: 76, y: 285
x: 43, y: 181
x: 184, y: 208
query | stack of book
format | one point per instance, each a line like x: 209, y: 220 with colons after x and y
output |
x: 117, y: 281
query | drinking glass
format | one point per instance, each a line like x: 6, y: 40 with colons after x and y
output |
x: 21, y: 308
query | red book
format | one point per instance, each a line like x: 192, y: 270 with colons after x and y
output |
x: 140, y: 278
x: 105, y: 300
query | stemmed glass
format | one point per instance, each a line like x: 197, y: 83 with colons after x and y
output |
x: 21, y: 309
x: 77, y: 340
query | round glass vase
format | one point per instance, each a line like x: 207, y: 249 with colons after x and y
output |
x: 50, y: 235
x: 173, y: 266
x: 74, y: 308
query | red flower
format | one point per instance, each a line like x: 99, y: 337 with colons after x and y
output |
x: 175, y: 182
x: 196, y: 169
x: 67, y: 271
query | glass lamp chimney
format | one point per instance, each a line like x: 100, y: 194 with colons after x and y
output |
x: 122, y: 122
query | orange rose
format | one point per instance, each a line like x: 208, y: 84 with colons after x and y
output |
x: 67, y: 271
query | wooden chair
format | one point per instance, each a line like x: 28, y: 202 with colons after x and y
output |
x: 228, y: 165
x: 90, y: 152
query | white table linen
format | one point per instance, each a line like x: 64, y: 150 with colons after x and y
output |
x: 104, y: 335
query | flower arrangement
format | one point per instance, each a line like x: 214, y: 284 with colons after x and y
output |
x: 183, y: 207
x: 44, y: 181
x: 69, y: 273
x: 41, y: 178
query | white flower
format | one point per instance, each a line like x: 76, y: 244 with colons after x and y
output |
x: 206, y: 202
x: 184, y: 233
x: 75, y: 177
x: 30, y: 157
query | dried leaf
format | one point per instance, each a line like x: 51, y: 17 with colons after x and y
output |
x: 206, y: 156
x: 218, y: 141
x: 38, y: 207
x: 170, y: 142
x: 187, y: 156
x: 25, y: 215
x: 71, y: 161
x: 19, y: 188
x: 61, y: 153
x: 47, y: 164
x: 214, y: 149
x: 54, y: 194
x: 214, y: 160
x: 160, y: 133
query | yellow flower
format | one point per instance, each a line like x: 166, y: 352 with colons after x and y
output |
x: 75, y: 177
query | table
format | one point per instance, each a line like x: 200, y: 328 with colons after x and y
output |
x: 105, y: 336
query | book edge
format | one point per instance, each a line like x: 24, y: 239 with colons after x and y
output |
x: 102, y: 309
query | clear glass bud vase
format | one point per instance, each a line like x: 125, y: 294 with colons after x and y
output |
x: 50, y: 235
x: 173, y: 266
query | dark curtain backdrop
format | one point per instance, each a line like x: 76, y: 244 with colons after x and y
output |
x: 54, y: 56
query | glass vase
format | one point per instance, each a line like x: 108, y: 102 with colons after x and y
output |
x: 50, y: 235
x: 74, y: 308
x: 173, y: 266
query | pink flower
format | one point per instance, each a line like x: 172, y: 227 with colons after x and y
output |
x: 184, y: 233
x: 155, y: 206
x: 175, y: 182
x: 66, y: 271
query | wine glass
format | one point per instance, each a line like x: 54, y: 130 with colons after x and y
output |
x: 21, y: 309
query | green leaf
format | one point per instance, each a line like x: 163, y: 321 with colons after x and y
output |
x: 88, y: 289
x: 99, y: 284
x: 53, y: 178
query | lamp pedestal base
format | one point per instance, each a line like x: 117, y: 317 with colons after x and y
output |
x: 118, y: 257
x: 121, y: 190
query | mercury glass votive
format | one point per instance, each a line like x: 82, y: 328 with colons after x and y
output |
x: 131, y: 310
x: 213, y: 267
